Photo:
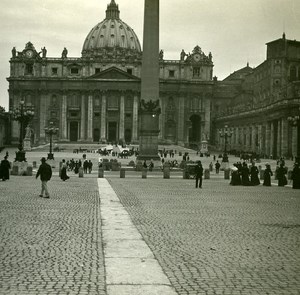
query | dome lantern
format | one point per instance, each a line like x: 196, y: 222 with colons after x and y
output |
x: 112, y: 10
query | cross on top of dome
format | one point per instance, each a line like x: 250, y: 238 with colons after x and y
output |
x: 112, y: 10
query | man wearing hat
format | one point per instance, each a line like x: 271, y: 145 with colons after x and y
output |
x: 45, y: 172
x: 199, y: 174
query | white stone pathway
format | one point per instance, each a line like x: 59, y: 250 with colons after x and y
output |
x: 131, y: 268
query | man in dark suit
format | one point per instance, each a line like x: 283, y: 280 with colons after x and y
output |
x: 45, y: 172
x: 199, y: 174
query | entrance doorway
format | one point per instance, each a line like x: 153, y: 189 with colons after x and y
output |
x: 96, y: 135
x: 73, y: 131
x: 127, y: 135
x: 112, y: 131
x: 195, y: 130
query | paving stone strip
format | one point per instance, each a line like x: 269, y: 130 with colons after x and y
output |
x: 131, y: 268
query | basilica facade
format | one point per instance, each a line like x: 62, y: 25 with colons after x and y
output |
x: 96, y: 97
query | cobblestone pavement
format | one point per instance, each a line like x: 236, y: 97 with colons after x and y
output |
x: 50, y: 246
x: 219, y: 239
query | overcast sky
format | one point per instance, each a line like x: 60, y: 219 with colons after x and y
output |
x: 234, y: 31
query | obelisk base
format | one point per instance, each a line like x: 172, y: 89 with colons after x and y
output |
x: 149, y: 146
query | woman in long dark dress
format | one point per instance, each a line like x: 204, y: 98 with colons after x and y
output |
x: 235, y: 176
x: 296, y: 176
x: 267, y: 175
x: 281, y: 171
x: 245, y: 174
x: 63, y: 172
x: 254, y: 175
x: 4, y: 168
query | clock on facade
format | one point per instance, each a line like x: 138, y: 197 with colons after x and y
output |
x: 29, y: 53
x: 197, y: 57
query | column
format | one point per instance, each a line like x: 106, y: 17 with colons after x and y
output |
x: 64, y: 118
x: 254, y: 133
x: 135, y: 119
x: 284, y: 137
x: 268, y: 140
x: 180, y: 122
x: 122, y: 119
x: 278, y: 142
x: 272, y: 139
x: 247, y: 138
x: 103, y: 118
x: 260, y: 139
x: 294, y: 141
x: 83, y: 119
x: 90, y: 119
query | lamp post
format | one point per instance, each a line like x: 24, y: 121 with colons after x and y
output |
x: 23, y: 115
x: 51, y: 130
x: 295, y: 121
x: 226, y: 133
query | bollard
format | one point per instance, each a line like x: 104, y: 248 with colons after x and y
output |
x: 100, y: 172
x: 80, y: 172
x: 15, y: 170
x: 289, y: 174
x: 275, y: 174
x: 206, y: 174
x: 34, y: 164
x: 59, y: 169
x: 122, y: 173
x: 139, y: 166
x: 261, y: 174
x: 29, y: 171
x: 226, y: 173
x: 167, y: 171
x: 144, y: 173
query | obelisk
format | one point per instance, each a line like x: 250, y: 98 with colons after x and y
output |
x: 149, y: 106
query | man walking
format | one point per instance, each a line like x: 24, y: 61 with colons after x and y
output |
x: 217, y: 165
x: 45, y: 173
x: 199, y: 174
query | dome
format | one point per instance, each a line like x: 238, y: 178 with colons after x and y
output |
x: 112, y: 32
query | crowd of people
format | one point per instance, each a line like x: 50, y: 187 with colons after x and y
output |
x: 244, y: 175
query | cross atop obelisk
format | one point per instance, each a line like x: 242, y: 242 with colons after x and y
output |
x: 149, y: 108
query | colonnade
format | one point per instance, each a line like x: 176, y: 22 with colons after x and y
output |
x: 274, y: 138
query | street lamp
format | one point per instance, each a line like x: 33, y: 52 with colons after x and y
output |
x: 51, y: 130
x: 226, y: 133
x: 295, y: 121
x: 23, y: 115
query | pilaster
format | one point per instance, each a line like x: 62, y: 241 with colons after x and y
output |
x: 43, y: 117
x: 83, y: 119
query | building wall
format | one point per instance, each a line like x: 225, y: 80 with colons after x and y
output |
x: 99, y: 100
